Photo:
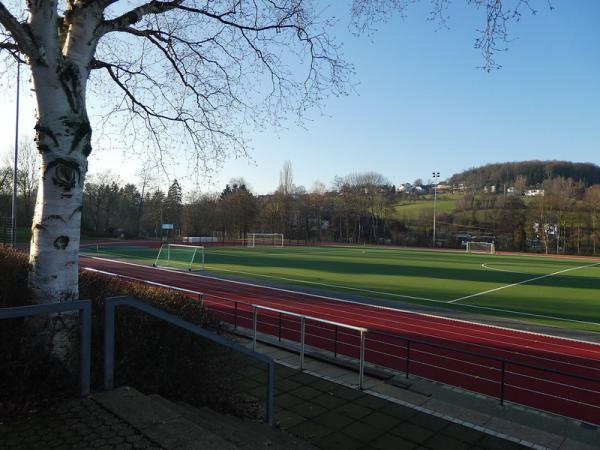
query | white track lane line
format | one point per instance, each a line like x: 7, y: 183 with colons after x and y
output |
x: 389, y: 308
x: 489, y: 291
x: 302, y: 281
x: 334, y: 314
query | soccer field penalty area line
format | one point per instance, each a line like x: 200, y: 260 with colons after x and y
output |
x: 488, y: 266
x: 529, y: 280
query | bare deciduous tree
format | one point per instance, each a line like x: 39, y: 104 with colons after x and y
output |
x: 179, y: 74
x: 190, y: 73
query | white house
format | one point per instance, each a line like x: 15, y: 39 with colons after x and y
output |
x: 534, y: 193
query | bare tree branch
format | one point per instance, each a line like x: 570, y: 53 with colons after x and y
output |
x: 18, y: 32
x: 493, y: 36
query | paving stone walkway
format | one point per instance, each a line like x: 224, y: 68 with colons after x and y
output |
x: 332, y: 416
x: 77, y: 424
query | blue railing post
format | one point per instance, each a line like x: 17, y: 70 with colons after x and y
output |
x: 280, y: 319
x: 302, y: 335
x: 85, y: 364
x: 502, y: 375
x: 109, y: 345
x: 270, y: 389
x: 407, y: 357
x: 235, y: 314
x: 84, y: 308
x: 335, y: 342
x: 361, y: 370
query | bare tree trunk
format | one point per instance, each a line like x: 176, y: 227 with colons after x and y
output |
x: 63, y: 140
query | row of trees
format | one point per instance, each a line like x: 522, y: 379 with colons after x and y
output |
x: 27, y: 181
x: 359, y: 207
x: 356, y: 208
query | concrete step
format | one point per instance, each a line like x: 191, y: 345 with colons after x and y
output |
x: 245, y: 434
x: 161, y: 421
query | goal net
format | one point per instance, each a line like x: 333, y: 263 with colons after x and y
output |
x: 264, y: 239
x: 481, y: 247
x: 177, y: 256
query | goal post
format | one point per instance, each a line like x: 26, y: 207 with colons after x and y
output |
x: 264, y: 239
x: 177, y: 256
x: 481, y: 247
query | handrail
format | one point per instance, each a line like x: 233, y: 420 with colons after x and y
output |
x: 303, y: 318
x: 84, y: 307
x: 110, y: 305
x: 314, y: 319
x: 503, y: 363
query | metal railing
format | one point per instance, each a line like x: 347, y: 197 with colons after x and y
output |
x: 109, y: 342
x: 84, y: 307
x: 484, y: 373
x: 505, y: 378
x: 503, y: 362
x: 303, y: 318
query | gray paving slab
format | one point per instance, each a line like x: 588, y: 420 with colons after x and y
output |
x: 75, y: 424
x: 471, y: 420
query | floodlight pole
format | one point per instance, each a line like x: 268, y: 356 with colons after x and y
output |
x: 436, y: 177
x: 15, y: 172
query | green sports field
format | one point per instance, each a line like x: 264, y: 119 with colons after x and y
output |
x: 557, y: 291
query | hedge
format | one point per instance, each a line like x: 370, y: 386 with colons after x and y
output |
x: 151, y: 355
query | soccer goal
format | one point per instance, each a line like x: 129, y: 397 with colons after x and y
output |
x: 190, y: 257
x: 264, y: 239
x: 481, y: 247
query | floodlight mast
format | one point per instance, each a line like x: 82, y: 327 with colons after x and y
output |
x: 436, y: 177
x: 13, y: 223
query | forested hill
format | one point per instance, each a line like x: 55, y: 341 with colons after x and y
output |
x: 535, y: 172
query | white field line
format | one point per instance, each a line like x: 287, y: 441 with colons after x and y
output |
x: 336, y: 286
x: 522, y: 282
x: 487, y: 266
x: 152, y: 283
x: 389, y: 308
x: 308, y: 282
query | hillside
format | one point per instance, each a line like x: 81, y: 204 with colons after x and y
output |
x: 535, y: 172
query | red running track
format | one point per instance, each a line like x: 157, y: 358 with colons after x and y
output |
x: 553, y: 374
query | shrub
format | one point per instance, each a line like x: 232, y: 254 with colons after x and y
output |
x: 29, y: 377
x: 151, y: 355
x: 157, y: 357
x: 14, y: 267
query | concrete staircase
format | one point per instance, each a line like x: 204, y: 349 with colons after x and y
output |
x: 181, y: 426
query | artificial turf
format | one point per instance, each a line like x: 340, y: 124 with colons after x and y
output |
x: 569, y: 299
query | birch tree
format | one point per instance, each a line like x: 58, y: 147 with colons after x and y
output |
x: 177, y: 74
x: 190, y: 73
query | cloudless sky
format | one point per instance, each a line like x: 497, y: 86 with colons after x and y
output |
x: 422, y: 105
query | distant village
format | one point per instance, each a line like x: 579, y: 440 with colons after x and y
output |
x: 444, y: 188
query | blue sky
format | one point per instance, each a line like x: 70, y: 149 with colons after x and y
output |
x: 421, y: 104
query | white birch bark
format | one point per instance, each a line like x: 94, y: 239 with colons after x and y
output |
x: 63, y: 138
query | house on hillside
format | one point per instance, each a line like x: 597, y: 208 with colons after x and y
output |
x: 405, y: 188
x: 444, y: 188
x: 534, y: 193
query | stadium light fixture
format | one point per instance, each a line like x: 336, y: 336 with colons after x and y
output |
x: 436, y: 177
